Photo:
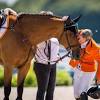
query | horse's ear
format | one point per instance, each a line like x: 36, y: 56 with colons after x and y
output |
x: 76, y: 19
x: 67, y: 19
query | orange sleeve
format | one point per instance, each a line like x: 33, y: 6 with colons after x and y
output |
x: 98, y: 67
x: 74, y: 62
x: 98, y: 72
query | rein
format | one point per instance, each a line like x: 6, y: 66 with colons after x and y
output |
x: 56, y: 61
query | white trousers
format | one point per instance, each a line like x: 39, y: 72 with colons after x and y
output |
x: 82, y: 81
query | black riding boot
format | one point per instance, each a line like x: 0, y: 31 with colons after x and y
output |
x: 6, y: 98
x: 7, y: 90
x: 18, y: 98
x: 78, y: 99
x: 84, y: 96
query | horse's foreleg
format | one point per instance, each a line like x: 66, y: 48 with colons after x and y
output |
x: 21, y: 77
x: 7, y: 82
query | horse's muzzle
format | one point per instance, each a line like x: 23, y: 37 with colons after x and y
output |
x: 76, y: 55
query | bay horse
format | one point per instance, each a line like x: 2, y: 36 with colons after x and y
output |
x: 21, y: 35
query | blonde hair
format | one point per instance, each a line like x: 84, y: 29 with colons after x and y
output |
x: 87, y: 33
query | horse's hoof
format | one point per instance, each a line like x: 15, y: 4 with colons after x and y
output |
x: 6, y: 99
x: 19, y: 98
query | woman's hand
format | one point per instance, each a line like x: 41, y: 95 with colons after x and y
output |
x: 98, y: 81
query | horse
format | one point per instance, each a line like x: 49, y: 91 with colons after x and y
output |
x: 21, y: 35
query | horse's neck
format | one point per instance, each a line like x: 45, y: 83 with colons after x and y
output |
x: 40, y: 28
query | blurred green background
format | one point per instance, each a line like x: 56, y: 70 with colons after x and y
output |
x: 90, y: 9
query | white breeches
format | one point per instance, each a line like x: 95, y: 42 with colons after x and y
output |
x: 82, y: 81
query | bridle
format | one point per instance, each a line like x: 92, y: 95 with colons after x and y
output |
x: 66, y: 27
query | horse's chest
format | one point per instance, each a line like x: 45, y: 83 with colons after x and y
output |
x: 13, y: 53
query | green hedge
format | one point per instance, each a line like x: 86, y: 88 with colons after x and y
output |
x: 14, y: 80
x: 1, y: 76
x: 30, y: 79
x: 63, y: 78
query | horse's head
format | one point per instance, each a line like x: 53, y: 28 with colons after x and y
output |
x: 69, y: 37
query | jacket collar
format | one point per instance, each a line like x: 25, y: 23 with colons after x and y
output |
x: 84, y: 44
x: 91, y: 44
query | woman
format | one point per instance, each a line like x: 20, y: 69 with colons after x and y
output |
x: 86, y: 67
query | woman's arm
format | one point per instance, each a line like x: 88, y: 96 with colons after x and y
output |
x: 98, y: 67
x: 74, y: 62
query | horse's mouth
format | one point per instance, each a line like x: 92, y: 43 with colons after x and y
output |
x: 76, y: 55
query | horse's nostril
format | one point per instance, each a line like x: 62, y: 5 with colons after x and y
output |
x: 77, y: 56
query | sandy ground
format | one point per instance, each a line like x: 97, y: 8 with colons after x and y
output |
x: 61, y: 93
